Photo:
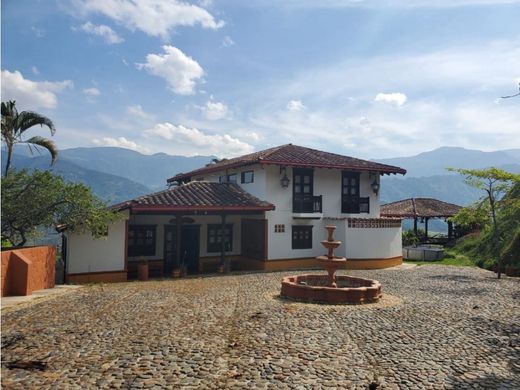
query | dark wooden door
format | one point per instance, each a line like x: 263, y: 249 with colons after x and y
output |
x: 190, y: 244
x: 254, y: 239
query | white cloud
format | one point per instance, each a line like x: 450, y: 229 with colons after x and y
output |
x: 35, y: 71
x: 38, y: 32
x: 192, y: 141
x: 31, y: 94
x: 296, y: 105
x: 180, y: 71
x: 153, y: 17
x: 105, y: 32
x: 138, y: 112
x: 91, y: 92
x: 227, y: 41
x: 215, y: 110
x: 396, y: 98
x: 120, y: 142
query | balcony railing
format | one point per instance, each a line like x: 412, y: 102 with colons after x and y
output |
x: 303, y: 203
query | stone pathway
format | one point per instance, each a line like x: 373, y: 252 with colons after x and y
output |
x: 438, y: 327
x: 38, y: 296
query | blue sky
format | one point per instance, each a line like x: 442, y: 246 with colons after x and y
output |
x: 367, y: 78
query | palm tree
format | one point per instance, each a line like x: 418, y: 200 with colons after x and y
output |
x: 13, y: 126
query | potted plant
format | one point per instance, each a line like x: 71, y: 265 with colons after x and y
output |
x: 142, y: 270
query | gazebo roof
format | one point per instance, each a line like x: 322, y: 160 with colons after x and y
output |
x: 419, y: 207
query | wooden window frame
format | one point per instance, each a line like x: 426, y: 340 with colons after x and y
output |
x: 243, y: 177
x: 215, y: 247
x: 303, y: 202
x: 297, y: 243
x: 353, y: 203
x: 135, y: 250
x: 230, y: 175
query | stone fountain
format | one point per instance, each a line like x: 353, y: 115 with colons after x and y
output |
x: 330, y: 288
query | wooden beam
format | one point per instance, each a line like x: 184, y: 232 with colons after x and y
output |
x: 224, y: 263
x: 178, y: 239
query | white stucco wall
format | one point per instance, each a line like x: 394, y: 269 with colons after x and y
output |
x: 88, y: 254
x: 373, y: 243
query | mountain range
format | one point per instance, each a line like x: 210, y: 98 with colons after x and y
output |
x: 117, y: 174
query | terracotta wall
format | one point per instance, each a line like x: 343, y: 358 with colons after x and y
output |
x: 25, y: 270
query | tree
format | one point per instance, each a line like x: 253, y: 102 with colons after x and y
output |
x: 14, y: 124
x: 41, y: 199
x: 496, y: 183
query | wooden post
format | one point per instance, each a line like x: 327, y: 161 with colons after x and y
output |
x: 450, y: 230
x: 415, y: 226
x: 426, y: 227
x: 224, y: 264
x: 178, y: 239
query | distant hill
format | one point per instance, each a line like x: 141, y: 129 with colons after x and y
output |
x: 149, y: 170
x: 110, y: 188
x: 435, y: 162
x: 448, y: 188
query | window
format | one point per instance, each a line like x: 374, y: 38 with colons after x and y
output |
x: 279, y: 228
x: 141, y: 240
x: 215, y: 238
x: 247, y: 177
x: 303, y: 200
x: 302, y: 237
x: 232, y: 178
x: 228, y: 179
x: 351, y: 202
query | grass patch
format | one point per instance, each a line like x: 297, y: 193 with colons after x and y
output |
x: 451, y: 257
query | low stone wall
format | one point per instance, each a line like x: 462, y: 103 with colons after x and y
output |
x: 25, y: 270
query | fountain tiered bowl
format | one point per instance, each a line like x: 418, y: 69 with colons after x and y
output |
x: 330, y: 288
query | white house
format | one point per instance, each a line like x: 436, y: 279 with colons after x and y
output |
x: 266, y: 210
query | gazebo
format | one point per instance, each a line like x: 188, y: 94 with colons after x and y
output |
x: 424, y: 208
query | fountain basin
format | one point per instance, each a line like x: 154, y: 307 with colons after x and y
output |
x: 314, y: 288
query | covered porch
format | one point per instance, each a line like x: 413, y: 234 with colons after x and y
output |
x: 196, y: 227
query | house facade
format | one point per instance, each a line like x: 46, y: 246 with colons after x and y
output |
x: 264, y: 211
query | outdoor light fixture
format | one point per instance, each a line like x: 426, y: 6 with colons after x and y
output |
x: 375, y: 184
x: 284, y: 181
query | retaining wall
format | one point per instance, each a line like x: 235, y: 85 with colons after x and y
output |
x: 25, y: 270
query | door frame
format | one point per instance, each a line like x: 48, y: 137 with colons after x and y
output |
x: 173, y: 229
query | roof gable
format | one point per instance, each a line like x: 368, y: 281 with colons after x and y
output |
x: 293, y: 155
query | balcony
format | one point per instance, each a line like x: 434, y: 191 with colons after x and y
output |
x: 307, y: 206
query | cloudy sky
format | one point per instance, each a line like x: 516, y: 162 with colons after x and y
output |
x: 367, y: 78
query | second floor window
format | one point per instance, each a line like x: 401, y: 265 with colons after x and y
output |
x: 228, y: 179
x: 247, y: 177
x: 351, y: 202
x: 303, y: 190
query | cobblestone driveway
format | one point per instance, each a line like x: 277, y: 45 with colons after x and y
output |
x: 438, y: 327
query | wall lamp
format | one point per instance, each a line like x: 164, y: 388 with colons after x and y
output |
x: 375, y: 184
x: 284, y: 181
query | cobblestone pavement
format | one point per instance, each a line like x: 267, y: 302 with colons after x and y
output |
x: 437, y: 327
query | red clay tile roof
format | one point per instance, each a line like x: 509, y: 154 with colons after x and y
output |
x: 419, y: 207
x: 198, y: 196
x: 293, y: 155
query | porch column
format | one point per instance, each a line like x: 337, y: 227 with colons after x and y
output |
x: 415, y: 226
x: 450, y: 230
x: 223, y: 261
x: 426, y: 227
x: 178, y: 239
